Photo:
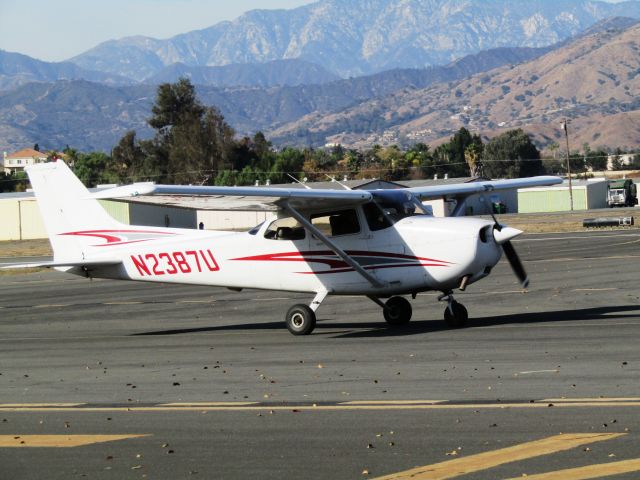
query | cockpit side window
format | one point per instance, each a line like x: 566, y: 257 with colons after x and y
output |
x: 398, y: 204
x: 376, y: 218
x: 285, y: 228
x: 340, y: 222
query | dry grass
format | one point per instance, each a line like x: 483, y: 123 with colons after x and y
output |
x: 563, y: 221
x: 25, y: 248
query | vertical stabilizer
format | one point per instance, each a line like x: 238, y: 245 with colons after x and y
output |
x: 67, y: 209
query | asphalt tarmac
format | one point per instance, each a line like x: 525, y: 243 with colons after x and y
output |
x: 106, y: 379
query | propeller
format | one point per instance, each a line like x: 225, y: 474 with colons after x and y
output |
x: 503, y: 236
x: 516, y: 264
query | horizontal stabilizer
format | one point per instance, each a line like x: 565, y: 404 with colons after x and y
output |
x: 53, y: 264
x: 133, y: 190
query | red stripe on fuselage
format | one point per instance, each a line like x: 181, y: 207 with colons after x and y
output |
x: 337, y: 265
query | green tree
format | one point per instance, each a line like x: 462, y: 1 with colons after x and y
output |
x: 596, y: 160
x: 90, y: 168
x: 512, y: 155
x: 129, y: 161
x: 191, y: 144
x: 457, y: 148
x: 13, y: 182
x: 473, y: 158
x: 176, y: 103
x: 289, y: 160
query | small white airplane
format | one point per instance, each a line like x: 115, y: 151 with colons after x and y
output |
x: 380, y: 243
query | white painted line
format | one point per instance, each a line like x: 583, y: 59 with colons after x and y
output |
x: 585, y: 237
x: 122, y: 303
x: 270, y: 299
x: 594, y: 400
x: 392, y: 402
x: 593, y: 289
x: 538, y: 371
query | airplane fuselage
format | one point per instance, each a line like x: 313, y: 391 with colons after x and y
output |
x: 420, y: 253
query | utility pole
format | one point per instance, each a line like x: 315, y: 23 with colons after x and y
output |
x: 563, y: 125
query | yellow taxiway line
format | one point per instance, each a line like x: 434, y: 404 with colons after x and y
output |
x: 43, y: 405
x: 593, y: 400
x: 207, y: 404
x: 353, y: 405
x: 59, y: 441
x: 392, y: 402
x: 483, y: 461
x: 591, y: 471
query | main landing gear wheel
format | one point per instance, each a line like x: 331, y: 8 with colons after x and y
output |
x: 300, y: 320
x: 397, y: 311
x: 458, y: 318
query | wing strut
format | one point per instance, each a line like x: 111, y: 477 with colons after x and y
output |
x: 332, y: 246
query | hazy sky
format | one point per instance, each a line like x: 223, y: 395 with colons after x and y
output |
x: 55, y: 30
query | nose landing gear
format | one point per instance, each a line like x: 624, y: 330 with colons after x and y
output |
x: 455, y: 315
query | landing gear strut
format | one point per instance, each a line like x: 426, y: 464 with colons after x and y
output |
x: 455, y: 315
x: 397, y: 310
x: 301, y: 319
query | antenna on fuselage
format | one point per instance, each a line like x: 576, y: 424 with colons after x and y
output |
x: 333, y: 179
x: 298, y: 181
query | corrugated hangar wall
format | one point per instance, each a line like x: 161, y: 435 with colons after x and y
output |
x: 159, y: 216
x: 551, y: 200
x: 587, y: 195
x: 21, y: 220
x: 10, y: 215
x: 231, y: 220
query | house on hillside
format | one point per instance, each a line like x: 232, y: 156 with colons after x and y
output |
x: 16, y: 161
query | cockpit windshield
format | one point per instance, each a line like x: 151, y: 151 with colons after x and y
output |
x: 397, y: 205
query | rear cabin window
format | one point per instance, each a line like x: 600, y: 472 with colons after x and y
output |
x: 286, y: 228
x: 339, y: 222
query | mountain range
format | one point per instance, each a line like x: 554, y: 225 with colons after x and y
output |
x: 299, y: 100
x: 94, y: 116
x: 17, y: 69
x: 358, y: 37
x: 594, y: 81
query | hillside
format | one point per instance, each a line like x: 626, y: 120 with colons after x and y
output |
x: 356, y: 37
x: 593, y: 80
x: 96, y: 116
x: 81, y: 114
x: 17, y: 69
x: 276, y: 73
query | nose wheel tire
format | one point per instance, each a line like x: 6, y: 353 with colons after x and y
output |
x: 300, y: 320
x: 397, y: 311
x: 456, y: 315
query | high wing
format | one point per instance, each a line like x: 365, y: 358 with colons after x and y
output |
x: 462, y: 190
x: 211, y: 197
x: 298, y: 198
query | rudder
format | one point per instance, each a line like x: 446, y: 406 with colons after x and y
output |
x: 66, y: 209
